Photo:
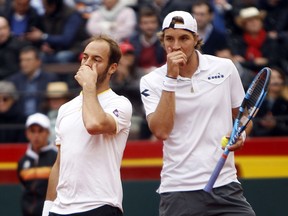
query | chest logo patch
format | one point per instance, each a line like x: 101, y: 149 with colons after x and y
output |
x: 215, y: 76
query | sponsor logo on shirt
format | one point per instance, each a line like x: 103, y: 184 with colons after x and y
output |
x: 145, y: 93
x: 215, y: 76
x: 116, y: 113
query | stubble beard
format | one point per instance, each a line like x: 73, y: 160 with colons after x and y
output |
x: 102, y: 77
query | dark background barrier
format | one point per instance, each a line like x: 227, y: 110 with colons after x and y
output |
x: 263, y: 168
x: 269, y: 197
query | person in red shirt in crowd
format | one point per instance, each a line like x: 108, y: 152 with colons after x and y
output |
x: 253, y: 48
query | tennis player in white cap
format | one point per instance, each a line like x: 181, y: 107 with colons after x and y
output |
x: 190, y: 103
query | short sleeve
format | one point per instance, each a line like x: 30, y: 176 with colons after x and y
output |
x: 236, y: 86
x: 121, y: 110
x: 150, y: 95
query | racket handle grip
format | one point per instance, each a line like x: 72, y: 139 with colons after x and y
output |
x: 209, y: 186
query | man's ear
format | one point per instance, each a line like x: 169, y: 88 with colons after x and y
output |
x: 112, y: 69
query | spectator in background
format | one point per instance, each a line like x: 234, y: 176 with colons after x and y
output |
x: 276, y: 24
x: 63, y: 33
x: 284, y: 57
x: 215, y: 41
x: 85, y: 7
x: 166, y: 6
x: 22, y: 17
x: 31, y: 81
x: 10, y: 47
x: 112, y: 18
x: 244, y: 3
x: 220, y: 8
x: 126, y: 69
x: 4, y: 5
x: 276, y: 20
x: 246, y: 75
x: 272, y: 118
x: 148, y: 50
x: 34, y: 167
x: 225, y: 12
x: 126, y: 82
x: 38, y: 5
x: 57, y: 94
x: 12, y: 120
x: 253, y: 48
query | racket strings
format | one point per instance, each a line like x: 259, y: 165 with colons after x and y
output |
x: 248, y: 110
x: 250, y: 104
x: 258, y: 88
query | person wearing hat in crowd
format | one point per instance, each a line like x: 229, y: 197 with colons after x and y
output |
x: 190, y: 103
x: 57, y: 94
x: 12, y: 120
x: 253, y: 48
x: 35, y: 166
x: 31, y: 81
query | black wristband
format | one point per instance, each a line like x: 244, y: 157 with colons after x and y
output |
x: 171, y: 77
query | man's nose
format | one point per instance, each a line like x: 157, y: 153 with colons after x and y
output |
x: 89, y: 62
x: 176, y: 46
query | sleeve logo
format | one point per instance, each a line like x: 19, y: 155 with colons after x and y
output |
x: 145, y: 93
x: 116, y: 112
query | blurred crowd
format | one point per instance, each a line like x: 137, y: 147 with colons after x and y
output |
x: 34, y: 34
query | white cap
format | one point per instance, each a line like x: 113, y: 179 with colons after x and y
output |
x: 190, y: 23
x: 38, y: 119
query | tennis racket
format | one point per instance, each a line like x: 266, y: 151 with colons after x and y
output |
x: 247, y: 111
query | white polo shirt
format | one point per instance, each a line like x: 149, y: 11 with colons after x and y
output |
x: 203, y: 115
x: 90, y: 164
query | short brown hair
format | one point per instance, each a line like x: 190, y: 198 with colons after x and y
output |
x: 114, y: 49
x: 178, y: 19
x: 148, y: 11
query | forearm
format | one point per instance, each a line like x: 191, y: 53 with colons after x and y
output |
x: 161, y: 122
x: 51, y: 190
x: 53, y: 182
x: 95, y: 119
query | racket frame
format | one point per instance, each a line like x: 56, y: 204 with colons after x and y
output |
x: 237, y: 130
